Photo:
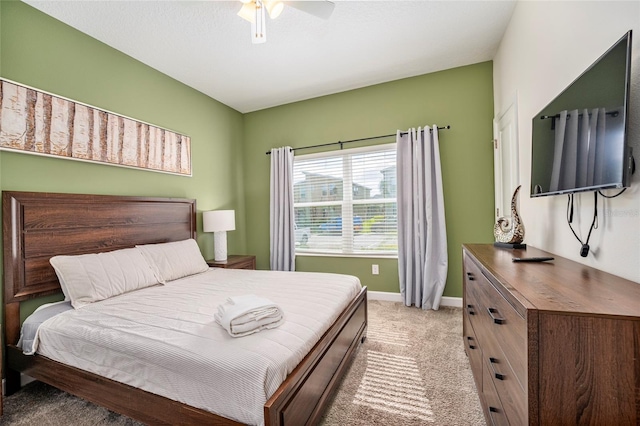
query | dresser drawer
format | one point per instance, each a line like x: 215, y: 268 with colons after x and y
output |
x: 512, y: 396
x: 498, y: 321
x: 473, y: 307
x: 493, y: 407
x: 472, y: 347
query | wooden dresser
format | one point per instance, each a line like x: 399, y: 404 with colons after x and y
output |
x: 552, y: 343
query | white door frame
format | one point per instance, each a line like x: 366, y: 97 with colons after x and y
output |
x: 505, y: 158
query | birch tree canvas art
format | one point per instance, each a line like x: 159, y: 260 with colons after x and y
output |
x: 32, y: 121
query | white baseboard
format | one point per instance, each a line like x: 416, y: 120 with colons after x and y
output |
x: 384, y: 295
x: 455, y: 302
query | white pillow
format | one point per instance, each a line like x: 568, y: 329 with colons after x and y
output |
x: 170, y: 261
x: 89, y: 278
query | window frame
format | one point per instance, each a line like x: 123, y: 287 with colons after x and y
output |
x: 347, y: 201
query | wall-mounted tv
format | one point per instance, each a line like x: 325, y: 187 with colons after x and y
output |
x: 579, y: 141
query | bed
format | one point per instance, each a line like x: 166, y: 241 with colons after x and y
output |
x: 38, y: 226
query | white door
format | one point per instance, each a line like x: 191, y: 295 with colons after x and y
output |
x: 505, y: 158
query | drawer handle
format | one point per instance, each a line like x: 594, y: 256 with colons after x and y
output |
x: 469, y: 339
x: 495, y: 374
x: 495, y: 319
x: 469, y: 307
x: 495, y: 410
x: 470, y: 276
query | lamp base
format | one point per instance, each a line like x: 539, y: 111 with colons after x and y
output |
x: 220, y: 246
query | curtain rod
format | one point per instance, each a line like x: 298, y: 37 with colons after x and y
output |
x: 544, y: 117
x: 354, y: 140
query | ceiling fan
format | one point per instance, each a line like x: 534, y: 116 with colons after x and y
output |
x: 254, y: 12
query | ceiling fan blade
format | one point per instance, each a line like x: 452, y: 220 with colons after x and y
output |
x: 322, y: 9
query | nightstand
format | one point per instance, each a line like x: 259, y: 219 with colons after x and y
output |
x: 235, y: 261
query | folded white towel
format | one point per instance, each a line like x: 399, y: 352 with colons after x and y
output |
x: 243, y: 315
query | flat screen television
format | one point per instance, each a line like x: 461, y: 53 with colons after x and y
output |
x: 579, y: 141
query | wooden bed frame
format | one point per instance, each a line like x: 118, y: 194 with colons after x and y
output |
x: 37, y: 226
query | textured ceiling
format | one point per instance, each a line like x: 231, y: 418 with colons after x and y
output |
x: 206, y: 46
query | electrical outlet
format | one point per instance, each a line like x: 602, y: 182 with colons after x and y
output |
x: 375, y: 270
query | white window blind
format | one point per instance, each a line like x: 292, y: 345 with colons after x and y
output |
x: 345, y: 202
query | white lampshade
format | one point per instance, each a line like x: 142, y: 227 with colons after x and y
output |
x: 274, y: 7
x: 248, y: 11
x: 218, y: 220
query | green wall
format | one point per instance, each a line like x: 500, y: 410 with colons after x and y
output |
x: 460, y: 97
x: 44, y: 53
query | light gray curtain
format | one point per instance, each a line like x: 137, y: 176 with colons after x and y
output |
x: 596, y: 133
x: 599, y: 145
x: 281, y: 215
x: 579, y: 149
x: 422, y: 234
x: 583, y: 148
x: 570, y: 156
x: 558, y: 149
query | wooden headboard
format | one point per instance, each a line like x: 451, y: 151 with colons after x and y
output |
x: 37, y: 226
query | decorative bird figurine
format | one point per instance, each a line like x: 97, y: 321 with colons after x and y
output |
x: 510, y: 230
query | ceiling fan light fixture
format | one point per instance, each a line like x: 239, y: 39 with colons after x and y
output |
x: 248, y: 11
x: 258, y: 27
x: 274, y: 7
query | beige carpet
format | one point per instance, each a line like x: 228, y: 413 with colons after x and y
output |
x: 411, y: 370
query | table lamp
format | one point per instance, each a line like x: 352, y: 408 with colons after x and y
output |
x: 219, y: 222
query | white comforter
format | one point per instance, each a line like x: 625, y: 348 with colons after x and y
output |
x: 164, y: 339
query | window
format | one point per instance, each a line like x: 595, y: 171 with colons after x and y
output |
x: 345, y: 202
